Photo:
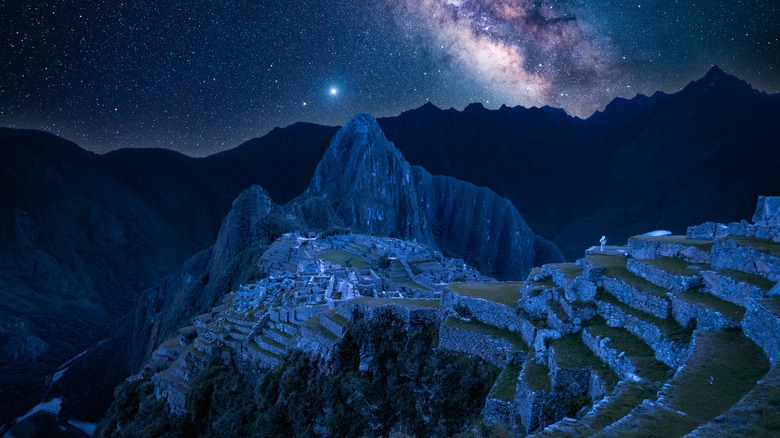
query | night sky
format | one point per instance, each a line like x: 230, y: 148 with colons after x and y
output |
x: 204, y: 76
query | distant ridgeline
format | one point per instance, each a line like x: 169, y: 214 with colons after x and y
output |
x: 359, y: 335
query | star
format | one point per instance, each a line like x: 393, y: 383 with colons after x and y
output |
x: 334, y: 91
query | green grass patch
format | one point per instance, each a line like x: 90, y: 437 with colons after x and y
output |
x: 335, y: 317
x: 477, y: 327
x: 628, y: 396
x: 615, y: 267
x: 761, y: 245
x: 502, y: 293
x: 744, y: 277
x: 376, y: 302
x: 668, y: 326
x: 711, y: 302
x: 506, y: 384
x: 653, y: 422
x: 640, y: 354
x: 314, y: 324
x: 537, y: 376
x: 571, y: 352
x: 344, y: 259
x: 570, y: 270
x: 673, y: 266
x: 412, y: 284
x: 703, y: 244
x: 722, y: 368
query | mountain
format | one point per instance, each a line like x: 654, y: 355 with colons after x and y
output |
x: 83, y: 235
x: 373, y: 190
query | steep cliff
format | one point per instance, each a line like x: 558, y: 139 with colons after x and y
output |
x: 374, y: 190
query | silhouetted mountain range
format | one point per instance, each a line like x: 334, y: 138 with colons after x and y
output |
x: 84, y: 234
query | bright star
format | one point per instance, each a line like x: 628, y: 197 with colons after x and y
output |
x: 334, y: 91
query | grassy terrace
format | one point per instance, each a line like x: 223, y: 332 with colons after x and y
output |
x: 755, y: 280
x: 506, y: 384
x: 653, y: 422
x: 702, y: 244
x: 502, y: 293
x: 761, y: 245
x: 722, y: 368
x: 343, y: 258
x: 412, y: 285
x: 477, y: 327
x: 570, y: 270
x: 668, y: 326
x: 571, y: 352
x: 641, y: 355
x: 615, y: 267
x: 629, y: 396
x: 335, y: 317
x: 376, y: 302
x: 711, y: 302
x: 672, y: 265
x: 537, y: 376
x: 314, y: 324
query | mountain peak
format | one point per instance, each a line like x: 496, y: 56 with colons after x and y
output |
x: 719, y: 81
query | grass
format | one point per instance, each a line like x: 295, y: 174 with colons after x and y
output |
x: 335, y: 317
x: 314, y: 324
x: 537, y: 376
x: 570, y: 270
x: 506, y: 384
x: 502, y: 293
x: 703, y: 244
x: 640, y: 354
x: 654, y: 422
x: 343, y: 258
x: 376, y: 302
x: 755, y: 280
x: 629, y: 396
x: 668, y: 326
x: 761, y: 245
x: 711, y: 302
x: 412, y: 285
x: 722, y: 368
x: 672, y: 265
x: 571, y: 352
x: 489, y: 330
x: 615, y: 267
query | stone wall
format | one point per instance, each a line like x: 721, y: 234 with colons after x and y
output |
x: 493, y: 350
x: 727, y: 254
x: 488, y: 312
x: 529, y: 405
x: 706, y: 320
x: 649, y: 248
x: 620, y: 364
x: 672, y: 353
x: 664, y: 278
x: 729, y: 289
x: 631, y: 296
x: 499, y: 411
x: 763, y: 327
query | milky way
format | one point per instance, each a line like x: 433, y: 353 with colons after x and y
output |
x: 201, y: 77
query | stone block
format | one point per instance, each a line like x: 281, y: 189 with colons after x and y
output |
x: 763, y: 326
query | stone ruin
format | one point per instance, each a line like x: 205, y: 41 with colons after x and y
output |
x: 675, y: 334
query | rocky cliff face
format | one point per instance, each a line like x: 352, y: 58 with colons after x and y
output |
x: 374, y: 190
x: 369, y: 184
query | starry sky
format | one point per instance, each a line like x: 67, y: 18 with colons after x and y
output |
x: 201, y: 77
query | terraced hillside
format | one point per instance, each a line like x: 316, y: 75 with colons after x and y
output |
x: 666, y: 336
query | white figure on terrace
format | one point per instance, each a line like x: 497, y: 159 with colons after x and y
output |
x: 603, y: 242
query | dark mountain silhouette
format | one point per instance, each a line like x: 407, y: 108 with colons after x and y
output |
x: 83, y: 234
